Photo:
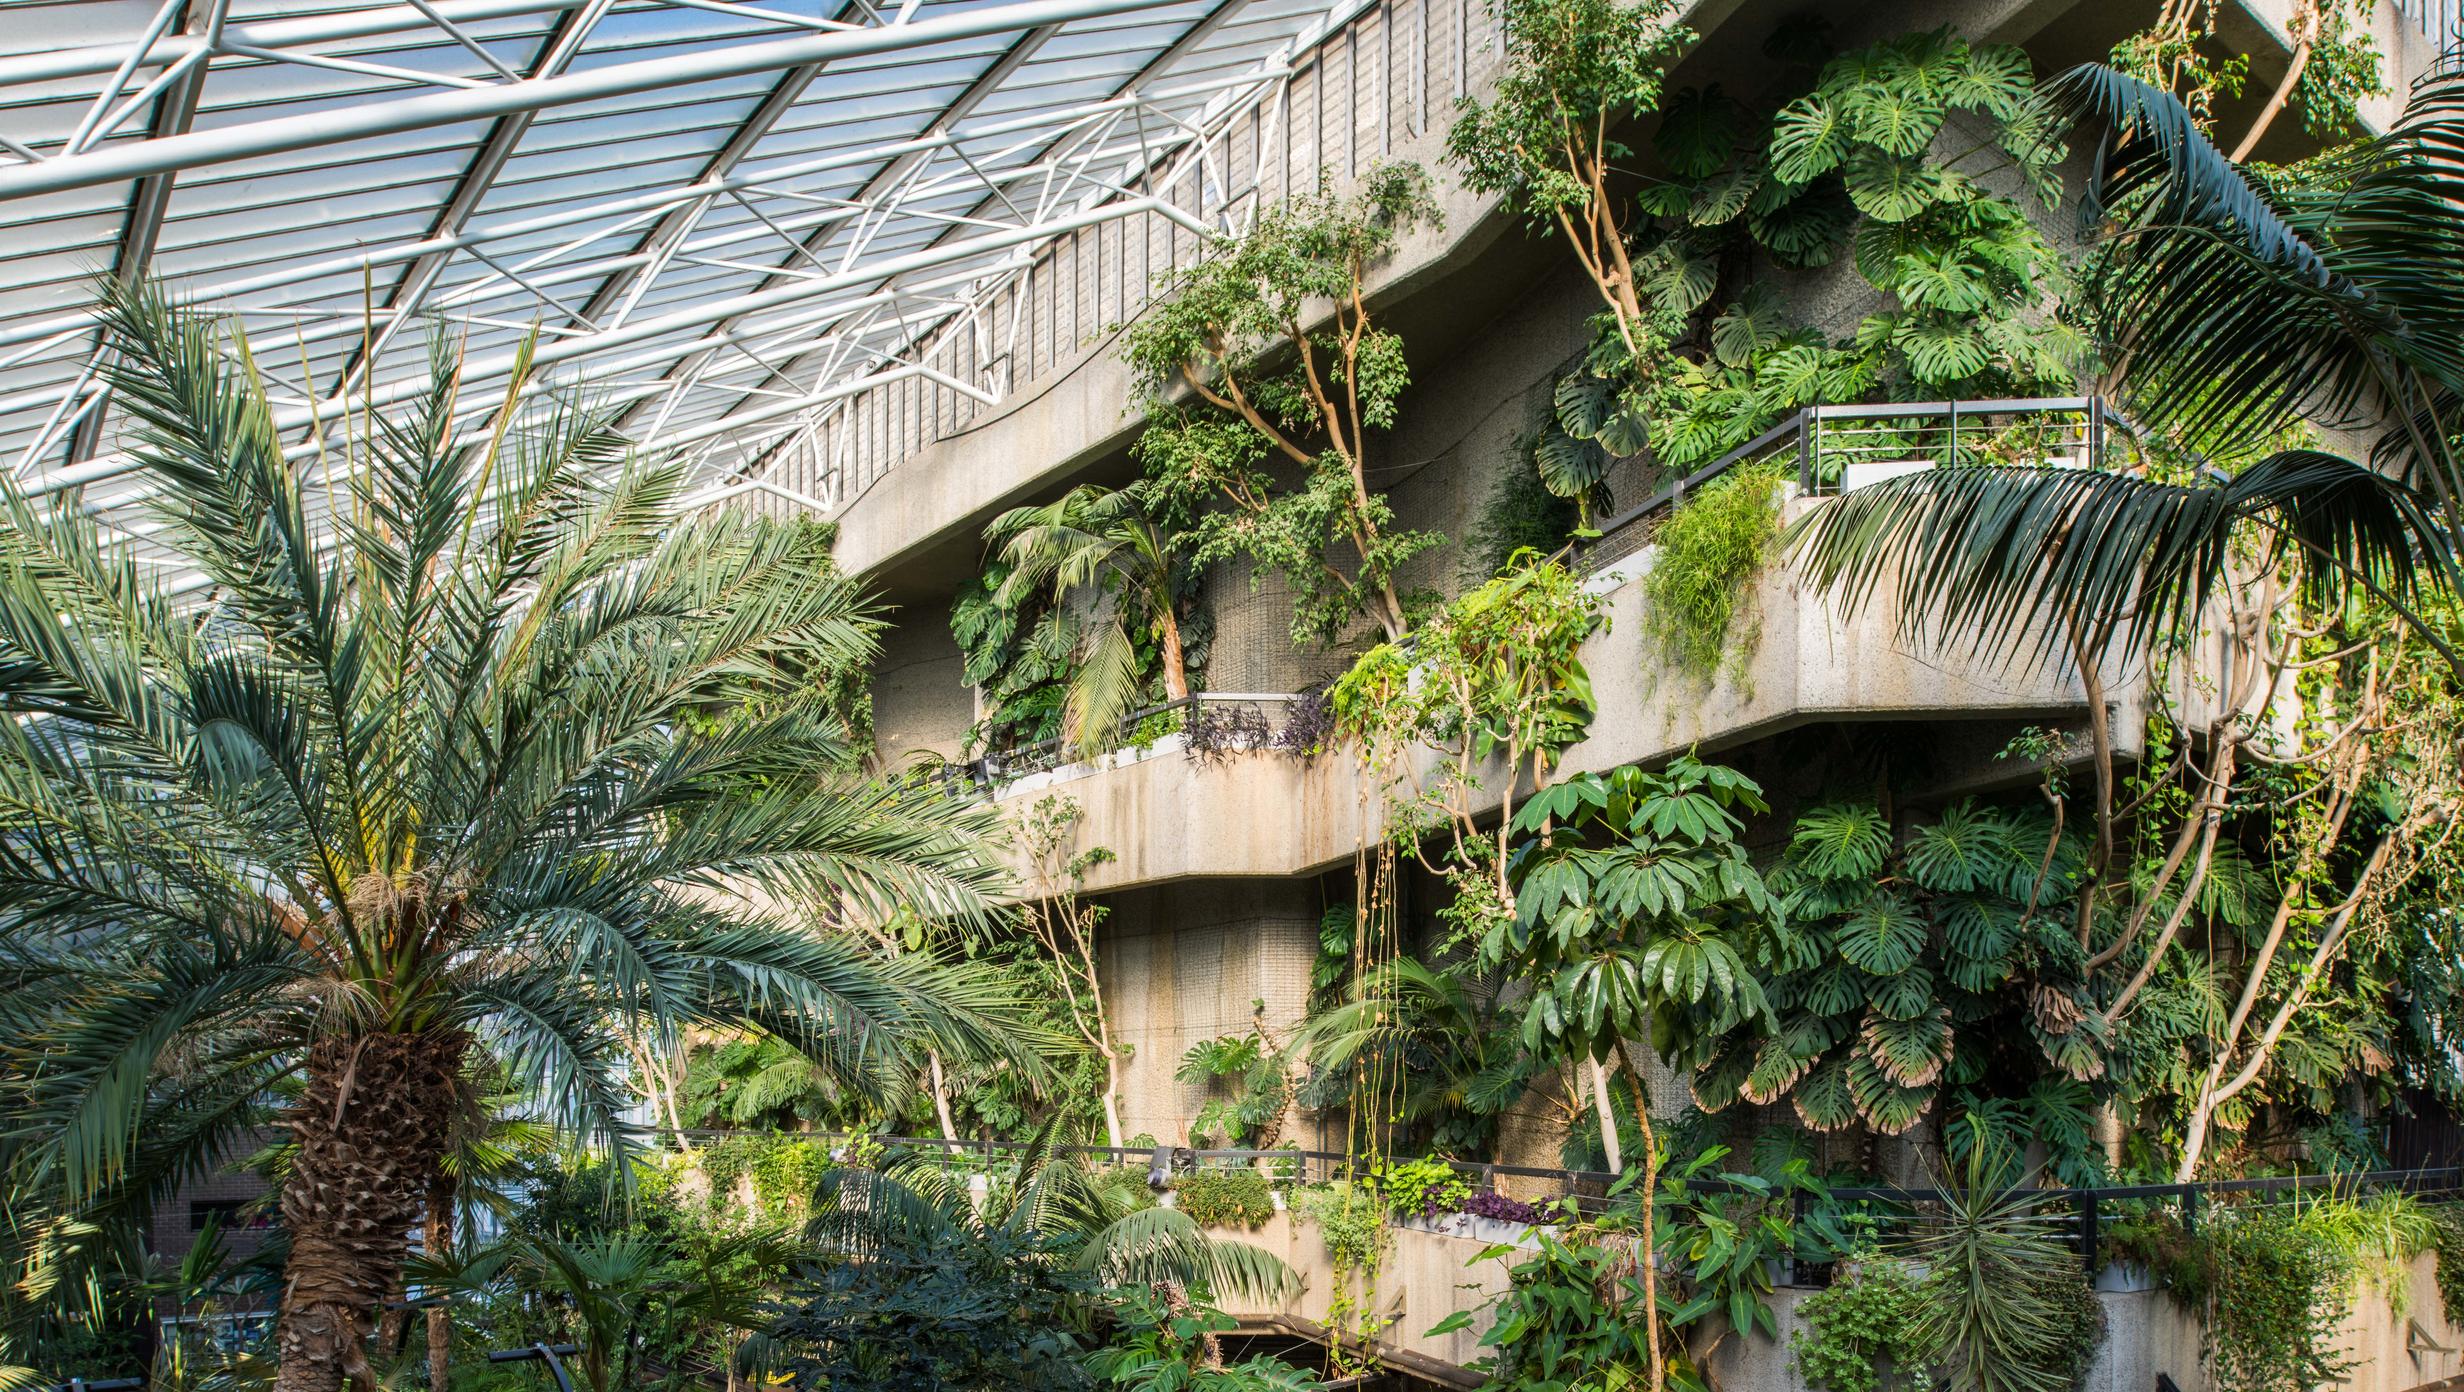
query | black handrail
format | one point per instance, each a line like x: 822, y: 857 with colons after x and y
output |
x: 2090, y: 1206
x: 1804, y: 427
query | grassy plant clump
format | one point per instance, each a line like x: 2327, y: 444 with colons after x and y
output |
x: 1710, y: 549
x: 1225, y: 1198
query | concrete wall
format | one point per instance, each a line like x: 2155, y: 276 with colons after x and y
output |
x: 921, y: 705
x: 1183, y: 963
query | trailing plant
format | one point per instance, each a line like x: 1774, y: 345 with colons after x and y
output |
x: 2275, y: 1300
x: 1861, y: 1327
x: 2447, y: 1238
x: 1497, y: 676
x: 1350, y: 1217
x: 1259, y: 421
x: 1709, y: 550
x: 1237, y: 1198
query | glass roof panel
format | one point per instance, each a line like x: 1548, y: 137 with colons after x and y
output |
x: 704, y: 210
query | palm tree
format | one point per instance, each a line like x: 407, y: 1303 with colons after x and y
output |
x: 427, y: 792
x: 1100, y: 542
x: 2232, y: 305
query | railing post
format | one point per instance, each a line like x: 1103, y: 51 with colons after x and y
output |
x: 1953, y: 459
x: 2087, y: 1232
x: 1805, y: 455
x: 2096, y: 434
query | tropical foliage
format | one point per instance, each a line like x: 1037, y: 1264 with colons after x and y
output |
x: 1097, y: 552
x: 1259, y: 440
x: 418, y: 802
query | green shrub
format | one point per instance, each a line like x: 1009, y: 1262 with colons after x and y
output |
x: 1225, y: 1198
x: 1860, y: 1326
x: 1422, y: 1188
x: 1710, y: 549
x: 784, y: 1175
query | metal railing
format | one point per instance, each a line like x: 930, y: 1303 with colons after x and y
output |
x: 1834, y: 449
x: 2080, y: 1216
x: 1210, y: 724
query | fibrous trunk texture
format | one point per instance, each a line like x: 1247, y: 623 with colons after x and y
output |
x: 371, y: 1126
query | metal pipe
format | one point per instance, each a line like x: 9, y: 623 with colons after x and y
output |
x: 89, y: 59
x: 287, y: 133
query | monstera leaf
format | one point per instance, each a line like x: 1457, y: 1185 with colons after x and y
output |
x: 1911, y: 1053
x: 1895, y: 188
x: 1978, y: 928
x: 1841, y: 841
x: 1808, y: 140
x: 1786, y: 1057
x: 1884, y: 936
x: 1823, y: 1099
x: 1904, y: 996
x: 2079, y: 1054
x: 1835, y: 990
x: 1716, y: 1085
x: 1887, y: 1106
x: 1963, y: 850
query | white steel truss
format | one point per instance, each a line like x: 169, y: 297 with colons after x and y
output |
x: 723, y: 217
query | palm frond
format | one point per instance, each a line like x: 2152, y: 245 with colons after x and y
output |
x: 2009, y: 556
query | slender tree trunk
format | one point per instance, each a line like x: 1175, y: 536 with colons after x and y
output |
x: 2275, y: 102
x: 370, y: 1136
x: 439, y: 1241
x: 1112, y: 1095
x: 1176, y: 667
x: 1608, y: 1117
x: 941, y: 1095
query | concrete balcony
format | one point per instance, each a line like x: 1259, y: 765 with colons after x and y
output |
x: 1168, y: 816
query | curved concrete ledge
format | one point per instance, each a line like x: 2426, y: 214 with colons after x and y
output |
x: 1166, y: 816
x: 1427, y: 1276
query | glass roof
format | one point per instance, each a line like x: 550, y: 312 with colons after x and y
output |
x: 717, y: 213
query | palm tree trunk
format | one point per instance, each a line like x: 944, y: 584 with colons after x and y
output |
x: 370, y: 1139
x: 439, y: 1243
